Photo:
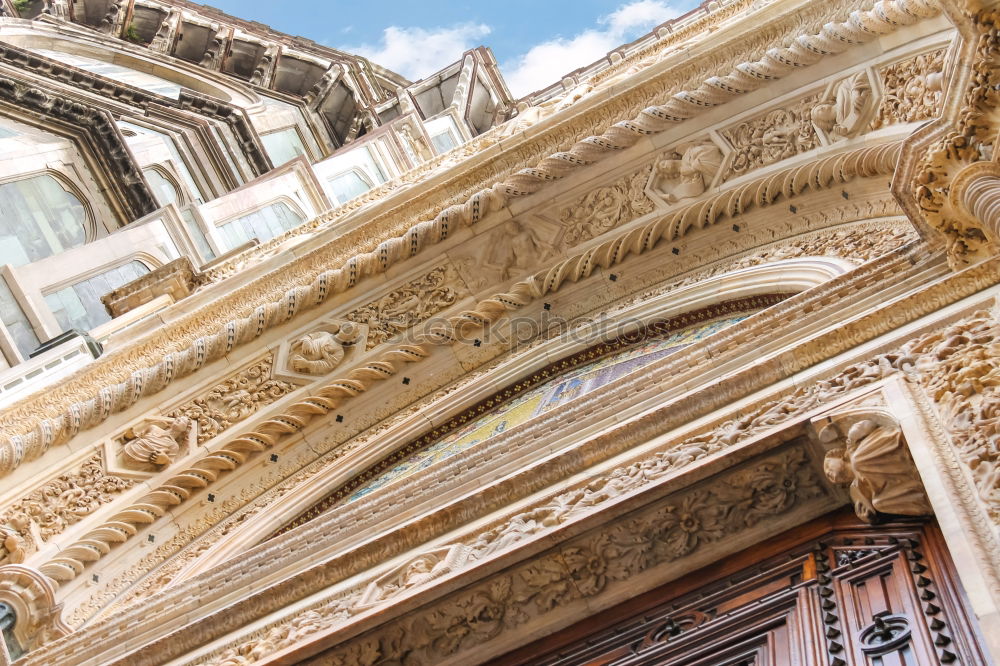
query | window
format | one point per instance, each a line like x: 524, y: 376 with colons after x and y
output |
x: 197, y: 234
x: 348, y: 185
x: 40, y: 218
x: 263, y: 224
x: 175, y: 157
x: 79, y: 306
x: 15, y: 321
x: 119, y: 73
x: 444, y: 141
x: 283, y: 146
x: 163, y: 188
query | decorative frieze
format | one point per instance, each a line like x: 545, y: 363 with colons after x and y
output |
x: 583, y: 568
x: 64, y: 501
x: 912, y: 90
x: 605, y: 208
x: 413, y: 303
x: 772, y: 137
x: 234, y: 399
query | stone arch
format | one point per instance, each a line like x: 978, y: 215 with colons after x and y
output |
x: 251, y: 526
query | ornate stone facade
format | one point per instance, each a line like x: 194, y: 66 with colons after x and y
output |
x: 717, y: 287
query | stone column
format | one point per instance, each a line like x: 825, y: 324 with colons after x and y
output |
x: 975, y: 195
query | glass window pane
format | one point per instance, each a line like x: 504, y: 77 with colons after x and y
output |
x: 263, y: 224
x: 119, y: 73
x: 444, y: 142
x: 40, y: 218
x: 348, y: 185
x: 283, y: 146
x: 79, y: 305
x: 163, y: 189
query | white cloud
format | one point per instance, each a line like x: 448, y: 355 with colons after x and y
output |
x: 418, y: 52
x: 547, y: 62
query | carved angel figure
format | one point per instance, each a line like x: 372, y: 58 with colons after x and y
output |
x: 319, y: 352
x: 159, y: 440
x: 882, y: 479
x: 844, y: 116
x: 688, y: 173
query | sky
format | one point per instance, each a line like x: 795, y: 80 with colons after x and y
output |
x: 536, y: 42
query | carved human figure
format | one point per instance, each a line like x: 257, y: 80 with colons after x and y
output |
x: 417, y: 571
x: 881, y: 476
x: 319, y: 352
x: 159, y: 440
x: 514, y: 249
x: 687, y: 173
x: 844, y: 115
x: 416, y: 142
x: 12, y: 546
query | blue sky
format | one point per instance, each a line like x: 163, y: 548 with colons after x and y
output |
x: 536, y: 42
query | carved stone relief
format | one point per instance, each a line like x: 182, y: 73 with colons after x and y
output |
x: 871, y: 459
x: 56, y: 505
x: 411, y: 304
x: 846, y: 108
x: 583, y: 568
x: 912, y: 90
x: 605, y: 208
x: 964, y: 382
x: 318, y: 350
x: 686, y: 171
x: 234, y: 400
x: 772, y: 137
x: 510, y: 251
x: 158, y: 441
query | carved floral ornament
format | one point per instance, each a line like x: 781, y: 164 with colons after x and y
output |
x: 583, y: 568
x: 202, y: 472
x: 950, y: 165
x: 90, y: 408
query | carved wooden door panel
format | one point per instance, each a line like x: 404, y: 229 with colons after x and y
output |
x: 864, y: 596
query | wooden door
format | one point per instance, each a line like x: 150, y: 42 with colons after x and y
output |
x: 852, y: 595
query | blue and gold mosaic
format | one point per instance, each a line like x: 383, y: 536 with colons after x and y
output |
x: 541, y: 399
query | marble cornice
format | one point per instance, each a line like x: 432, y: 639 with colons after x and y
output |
x: 891, y: 315
x: 205, y: 332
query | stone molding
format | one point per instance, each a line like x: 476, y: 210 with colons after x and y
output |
x: 295, y: 416
x: 210, y: 107
x: 96, y: 128
x: 859, y: 241
x: 926, y: 358
x: 833, y: 38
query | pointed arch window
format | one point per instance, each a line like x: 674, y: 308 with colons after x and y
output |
x: 42, y: 217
